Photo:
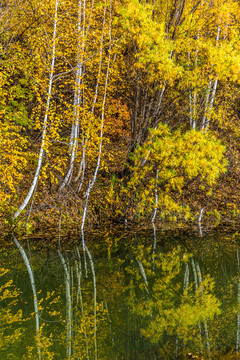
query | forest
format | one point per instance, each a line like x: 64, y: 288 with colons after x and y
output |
x: 121, y: 111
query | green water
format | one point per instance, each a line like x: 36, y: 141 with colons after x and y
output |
x: 128, y: 297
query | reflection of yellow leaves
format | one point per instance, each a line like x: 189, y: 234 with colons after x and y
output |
x: 163, y: 310
x: 10, y: 318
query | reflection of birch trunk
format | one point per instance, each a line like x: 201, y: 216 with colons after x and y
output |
x: 186, y: 281
x: 204, y: 319
x: 198, y: 281
x: 67, y: 277
x: 92, y: 181
x: 79, y: 295
x: 110, y: 324
x: 44, y: 129
x: 95, y: 299
x: 154, y: 242
x: 84, y: 252
x: 238, y: 313
x: 196, y: 288
x: 185, y: 294
x: 143, y: 273
x: 35, y: 300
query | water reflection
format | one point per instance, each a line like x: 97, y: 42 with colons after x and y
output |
x: 120, y: 299
x: 175, y: 305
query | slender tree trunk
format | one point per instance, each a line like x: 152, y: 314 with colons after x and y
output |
x: 77, y: 93
x: 208, y: 108
x: 44, y: 129
x: 93, y: 180
x: 156, y: 198
x: 84, y: 142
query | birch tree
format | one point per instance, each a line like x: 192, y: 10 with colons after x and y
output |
x: 45, y: 121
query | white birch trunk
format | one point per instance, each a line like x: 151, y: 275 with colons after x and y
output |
x: 211, y: 104
x: 41, y: 153
x: 92, y: 182
x: 77, y: 93
x: 194, y: 104
x: 194, y: 123
x: 156, y: 198
x: 154, y: 243
x: 206, y: 105
x: 84, y: 142
x: 200, y: 221
x: 160, y: 100
x: 208, y: 108
x: 44, y: 129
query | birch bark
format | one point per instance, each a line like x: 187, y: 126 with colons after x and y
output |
x: 82, y: 167
x: 45, y: 122
x: 78, y: 92
x: 92, y: 181
x: 208, y: 108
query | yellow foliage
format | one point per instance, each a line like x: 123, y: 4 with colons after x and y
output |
x: 175, y: 158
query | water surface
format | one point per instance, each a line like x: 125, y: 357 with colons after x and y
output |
x: 130, y: 297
